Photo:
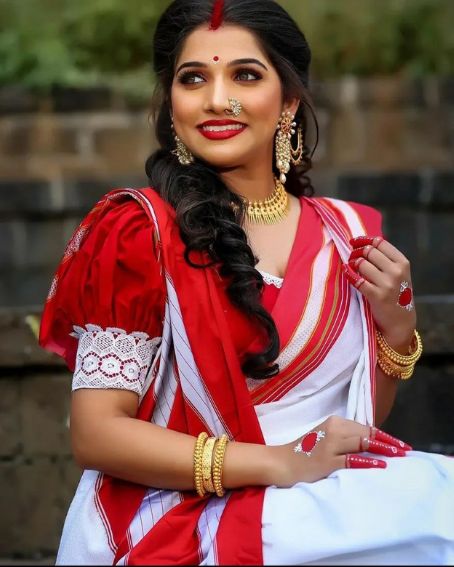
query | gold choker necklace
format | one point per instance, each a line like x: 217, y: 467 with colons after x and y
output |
x: 272, y: 210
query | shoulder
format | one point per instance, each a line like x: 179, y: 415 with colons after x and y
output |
x: 117, y: 229
x: 358, y: 215
x: 110, y: 276
x: 122, y: 214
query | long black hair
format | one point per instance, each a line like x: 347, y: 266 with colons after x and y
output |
x: 202, y: 201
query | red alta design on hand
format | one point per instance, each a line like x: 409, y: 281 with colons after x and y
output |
x: 380, y: 435
x: 308, y: 442
x: 356, y: 462
x: 361, y: 241
x: 405, y: 299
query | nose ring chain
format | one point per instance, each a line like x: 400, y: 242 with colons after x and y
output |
x: 235, y: 107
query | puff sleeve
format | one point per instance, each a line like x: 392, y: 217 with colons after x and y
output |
x: 107, y: 312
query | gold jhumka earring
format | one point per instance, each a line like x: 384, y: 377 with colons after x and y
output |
x: 285, y: 154
x: 183, y: 154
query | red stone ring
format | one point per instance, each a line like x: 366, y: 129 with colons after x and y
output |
x: 405, y: 299
x: 308, y: 442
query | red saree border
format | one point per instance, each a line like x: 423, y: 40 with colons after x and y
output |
x: 297, y: 288
x: 332, y: 317
x: 333, y: 214
x: 228, y: 391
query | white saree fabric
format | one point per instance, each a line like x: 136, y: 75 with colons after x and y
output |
x: 401, y: 515
x: 86, y: 537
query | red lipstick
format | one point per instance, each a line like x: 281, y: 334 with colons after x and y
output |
x: 221, y: 134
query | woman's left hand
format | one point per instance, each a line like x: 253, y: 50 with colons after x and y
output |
x: 380, y: 272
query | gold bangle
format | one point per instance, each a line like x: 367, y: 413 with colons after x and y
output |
x: 218, y: 462
x: 198, y: 453
x: 392, y: 369
x: 401, y: 359
x: 207, y: 465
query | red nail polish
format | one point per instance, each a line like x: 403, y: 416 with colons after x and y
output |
x: 361, y: 241
x: 353, y: 277
x: 355, y: 264
x: 387, y: 438
x: 359, y: 252
x: 357, y: 462
x: 380, y: 448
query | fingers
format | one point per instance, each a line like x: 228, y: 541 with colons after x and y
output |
x: 380, y: 448
x: 367, y: 270
x: 375, y: 266
x: 366, y: 264
x: 374, y: 256
x: 379, y: 435
x: 358, y: 281
x: 367, y: 445
x: 336, y: 426
x: 360, y: 241
x: 380, y: 244
x: 357, y: 462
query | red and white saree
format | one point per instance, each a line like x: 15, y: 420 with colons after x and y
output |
x: 125, y: 307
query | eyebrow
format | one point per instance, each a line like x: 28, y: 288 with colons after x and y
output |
x: 243, y: 61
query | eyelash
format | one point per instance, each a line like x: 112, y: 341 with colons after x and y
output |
x: 184, y: 76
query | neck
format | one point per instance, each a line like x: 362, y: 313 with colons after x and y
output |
x: 254, y: 184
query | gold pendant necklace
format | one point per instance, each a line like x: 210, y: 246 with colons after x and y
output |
x: 272, y: 210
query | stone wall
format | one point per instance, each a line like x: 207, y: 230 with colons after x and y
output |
x: 385, y: 142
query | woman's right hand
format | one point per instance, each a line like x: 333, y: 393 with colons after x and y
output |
x: 335, y: 447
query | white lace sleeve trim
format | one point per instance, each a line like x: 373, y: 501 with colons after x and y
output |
x: 272, y: 280
x: 112, y: 358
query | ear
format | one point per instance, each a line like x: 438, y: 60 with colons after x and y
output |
x: 292, y: 105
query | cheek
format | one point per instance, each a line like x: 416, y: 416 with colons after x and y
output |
x: 267, y: 106
x: 183, y: 106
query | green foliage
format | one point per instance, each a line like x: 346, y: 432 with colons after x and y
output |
x: 77, y: 42
x: 367, y: 37
x: 108, y: 42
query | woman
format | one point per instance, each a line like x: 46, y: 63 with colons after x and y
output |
x: 223, y: 326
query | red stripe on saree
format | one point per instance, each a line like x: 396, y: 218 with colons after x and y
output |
x: 216, y: 358
x: 335, y: 316
x: 366, y: 220
x: 299, y: 275
x: 331, y: 319
x: 209, y: 336
x: 370, y: 221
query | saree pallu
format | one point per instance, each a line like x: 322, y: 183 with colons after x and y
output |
x: 196, y: 384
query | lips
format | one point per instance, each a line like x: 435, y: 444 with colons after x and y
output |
x: 221, y: 129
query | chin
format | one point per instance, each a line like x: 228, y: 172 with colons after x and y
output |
x: 225, y: 166
x: 225, y: 157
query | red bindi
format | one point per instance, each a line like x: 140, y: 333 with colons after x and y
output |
x: 216, y: 58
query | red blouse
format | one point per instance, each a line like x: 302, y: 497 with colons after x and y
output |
x: 114, y: 280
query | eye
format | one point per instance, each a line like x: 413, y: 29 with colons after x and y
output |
x: 186, y: 78
x: 243, y: 72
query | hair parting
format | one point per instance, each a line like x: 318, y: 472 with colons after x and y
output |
x: 218, y: 13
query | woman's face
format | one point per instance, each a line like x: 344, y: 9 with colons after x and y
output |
x: 200, y: 93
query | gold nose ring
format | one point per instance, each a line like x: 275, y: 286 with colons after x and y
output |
x: 235, y: 107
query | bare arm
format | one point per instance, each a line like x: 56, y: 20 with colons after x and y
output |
x: 107, y: 437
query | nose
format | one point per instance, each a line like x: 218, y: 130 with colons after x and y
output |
x: 216, y: 96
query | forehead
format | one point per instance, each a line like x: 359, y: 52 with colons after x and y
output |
x: 228, y: 42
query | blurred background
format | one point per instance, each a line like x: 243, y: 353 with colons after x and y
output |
x: 75, y: 86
